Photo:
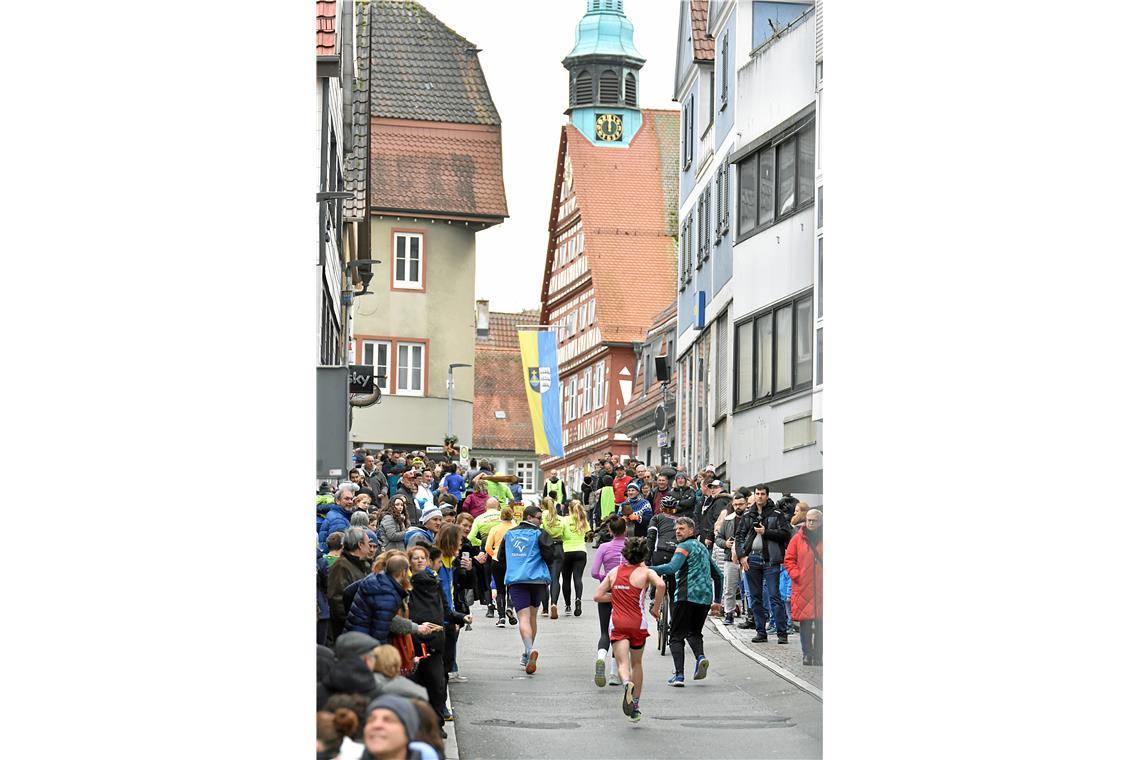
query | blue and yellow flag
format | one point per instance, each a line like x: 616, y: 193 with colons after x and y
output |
x: 540, y: 374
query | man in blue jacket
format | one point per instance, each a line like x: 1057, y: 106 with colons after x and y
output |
x: 338, y: 515
x: 527, y: 551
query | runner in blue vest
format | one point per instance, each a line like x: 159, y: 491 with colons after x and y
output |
x: 527, y: 549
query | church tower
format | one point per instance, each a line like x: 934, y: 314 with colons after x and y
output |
x: 604, y: 67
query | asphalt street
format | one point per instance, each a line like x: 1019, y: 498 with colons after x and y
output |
x: 742, y: 710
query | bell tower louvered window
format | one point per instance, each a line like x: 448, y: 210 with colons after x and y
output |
x: 583, y: 89
x: 631, y: 90
x: 609, y: 90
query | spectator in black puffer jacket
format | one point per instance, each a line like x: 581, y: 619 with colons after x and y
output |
x: 717, y: 500
x: 685, y: 495
x: 427, y: 605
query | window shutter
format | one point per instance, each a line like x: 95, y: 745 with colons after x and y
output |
x: 722, y: 361
x: 706, y: 235
x: 631, y: 90
x: 724, y: 199
x: 719, y: 200
x: 609, y: 88
x: 584, y: 89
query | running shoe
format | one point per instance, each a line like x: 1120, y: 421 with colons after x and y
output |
x: 511, y: 617
x: 600, y: 673
x: 615, y: 680
x: 635, y: 714
x: 554, y: 612
x: 524, y: 660
x: 490, y: 612
x: 568, y: 608
x: 627, y: 698
x: 702, y: 668
x: 456, y: 677
x: 577, y: 608
x: 532, y: 662
x: 448, y: 715
x: 677, y: 679
x: 502, y: 623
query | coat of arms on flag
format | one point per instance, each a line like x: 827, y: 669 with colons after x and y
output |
x: 539, y: 378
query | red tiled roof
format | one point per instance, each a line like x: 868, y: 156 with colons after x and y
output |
x: 630, y: 237
x: 447, y: 169
x: 326, y: 27
x: 499, y: 387
x: 704, y: 47
x: 503, y: 330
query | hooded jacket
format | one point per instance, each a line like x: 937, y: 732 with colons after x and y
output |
x: 805, y: 567
x: 713, y: 506
x: 686, y: 500
x: 344, y: 571
x: 336, y: 519
x: 426, y: 605
x: 475, y: 504
x: 377, y: 600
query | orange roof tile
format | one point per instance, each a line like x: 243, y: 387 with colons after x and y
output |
x: 499, y: 388
x: 704, y: 47
x: 503, y: 329
x: 630, y: 238
x: 446, y: 169
x: 326, y: 27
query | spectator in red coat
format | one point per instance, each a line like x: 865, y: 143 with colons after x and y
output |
x: 804, y: 563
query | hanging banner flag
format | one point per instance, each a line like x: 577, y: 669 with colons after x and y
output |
x: 543, y: 394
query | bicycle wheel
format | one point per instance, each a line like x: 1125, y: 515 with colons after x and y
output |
x: 663, y: 629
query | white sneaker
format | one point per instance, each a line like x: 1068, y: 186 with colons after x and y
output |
x: 615, y: 680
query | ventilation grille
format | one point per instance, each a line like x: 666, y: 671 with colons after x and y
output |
x: 583, y: 89
x: 631, y: 90
x: 610, y: 89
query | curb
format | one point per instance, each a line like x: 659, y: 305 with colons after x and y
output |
x: 787, y: 675
x: 451, y: 743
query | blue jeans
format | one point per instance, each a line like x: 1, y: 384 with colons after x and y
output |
x: 745, y: 593
x: 767, y: 579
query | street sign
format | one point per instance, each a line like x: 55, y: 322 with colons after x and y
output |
x: 435, y: 449
x: 360, y: 379
x: 662, y: 440
x: 464, y: 453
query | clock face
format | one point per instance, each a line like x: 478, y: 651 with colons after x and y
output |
x: 608, y: 127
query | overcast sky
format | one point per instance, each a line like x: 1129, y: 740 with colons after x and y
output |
x: 529, y: 86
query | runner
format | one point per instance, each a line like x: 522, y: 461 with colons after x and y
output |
x: 624, y: 588
x: 692, y: 566
x: 606, y: 559
x: 498, y: 568
x: 526, y: 550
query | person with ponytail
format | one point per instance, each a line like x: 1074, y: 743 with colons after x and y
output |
x: 334, y: 730
x: 575, y: 526
x: 552, y: 526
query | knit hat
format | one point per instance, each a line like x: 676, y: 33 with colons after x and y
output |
x: 633, y: 486
x: 402, y: 708
x: 354, y: 644
x: 429, y: 513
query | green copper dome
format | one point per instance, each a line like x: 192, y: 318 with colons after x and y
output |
x: 605, y: 30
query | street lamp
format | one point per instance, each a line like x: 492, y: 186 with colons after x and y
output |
x: 450, y: 388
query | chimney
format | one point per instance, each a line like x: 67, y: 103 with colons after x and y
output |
x: 482, y: 319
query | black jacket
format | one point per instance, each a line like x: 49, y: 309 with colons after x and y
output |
x: 686, y: 500
x: 427, y: 605
x: 713, y: 508
x: 777, y: 533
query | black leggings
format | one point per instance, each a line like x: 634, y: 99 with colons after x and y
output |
x: 550, y: 594
x: 499, y: 573
x: 573, y: 565
x: 431, y: 673
x: 605, y: 609
x: 687, y: 624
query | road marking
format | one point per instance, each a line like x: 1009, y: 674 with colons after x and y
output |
x: 784, y: 673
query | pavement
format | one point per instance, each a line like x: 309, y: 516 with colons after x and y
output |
x: 752, y: 709
x: 784, y: 659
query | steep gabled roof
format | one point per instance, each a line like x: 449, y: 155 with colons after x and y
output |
x: 355, y: 160
x: 704, y: 47
x: 423, y: 70
x: 443, y: 169
x: 631, y: 235
x: 499, y: 386
x: 326, y: 27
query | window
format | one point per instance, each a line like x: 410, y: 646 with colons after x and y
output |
x: 374, y: 354
x: 631, y: 90
x: 721, y: 367
x: 799, y: 431
x: 767, y: 17
x: 722, y: 223
x: 572, y: 324
x: 777, y: 180
x: 409, y: 369
x: 582, y: 315
x: 819, y: 356
x: 572, y: 399
x: 687, y: 133
x: 525, y: 473
x: 701, y: 226
x: 408, y: 261
x: 719, y: 201
x: 599, y: 384
x: 593, y: 310
x: 586, y: 388
x: 819, y: 283
x: 683, y: 254
x: 710, y: 98
x: 774, y: 351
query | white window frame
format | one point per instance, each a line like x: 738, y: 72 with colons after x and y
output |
x: 423, y: 367
x: 593, y: 310
x: 407, y: 284
x: 525, y: 472
x: 587, y: 389
x: 572, y: 399
x: 599, y: 385
x: 377, y: 366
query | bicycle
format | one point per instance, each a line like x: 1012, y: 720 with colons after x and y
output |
x: 663, y: 628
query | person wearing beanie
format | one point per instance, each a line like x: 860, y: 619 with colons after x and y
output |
x: 426, y: 530
x: 636, y: 510
x: 390, y: 724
